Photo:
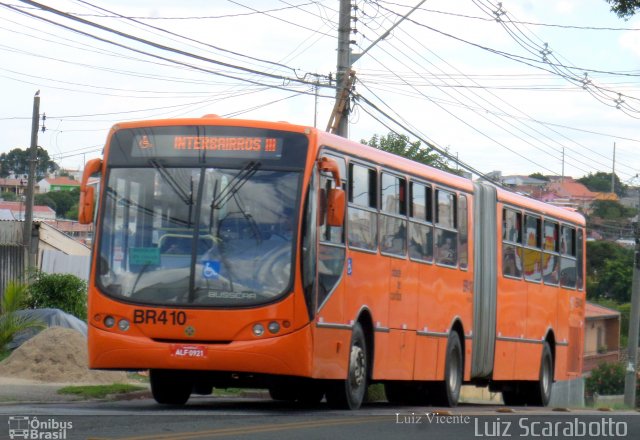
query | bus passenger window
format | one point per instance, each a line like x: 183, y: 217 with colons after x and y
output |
x: 550, y: 257
x: 363, y: 215
x: 393, y: 224
x: 511, y: 226
x: 446, y: 209
x: 532, y: 253
x: 579, y: 260
x: 568, y: 259
x: 463, y: 244
x: 511, y: 260
x: 420, y: 231
x: 421, y: 242
x: 446, y: 247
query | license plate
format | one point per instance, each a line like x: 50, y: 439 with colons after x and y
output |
x: 189, y: 351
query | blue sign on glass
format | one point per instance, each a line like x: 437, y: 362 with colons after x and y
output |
x: 210, y: 270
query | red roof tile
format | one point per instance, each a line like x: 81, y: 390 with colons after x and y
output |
x: 593, y: 311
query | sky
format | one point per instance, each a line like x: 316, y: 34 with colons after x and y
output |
x: 547, y: 79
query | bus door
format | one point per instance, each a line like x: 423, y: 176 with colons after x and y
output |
x: 402, y: 276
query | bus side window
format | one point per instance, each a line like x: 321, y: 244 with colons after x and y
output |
x: 550, y: 257
x: 568, y: 258
x: 511, y: 245
x: 532, y: 252
x: 420, y: 226
x: 363, y: 212
x: 463, y: 230
x: 446, y: 224
x: 580, y: 259
x: 393, y: 223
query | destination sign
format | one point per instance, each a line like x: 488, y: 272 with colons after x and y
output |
x: 237, y: 147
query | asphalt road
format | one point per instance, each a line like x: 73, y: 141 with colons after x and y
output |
x: 257, y: 418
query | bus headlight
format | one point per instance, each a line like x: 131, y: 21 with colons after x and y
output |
x: 274, y: 327
x: 258, y: 329
x: 123, y: 325
x: 109, y: 321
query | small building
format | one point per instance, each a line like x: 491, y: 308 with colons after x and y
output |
x: 14, y: 186
x: 16, y: 210
x: 601, y: 336
x: 57, y: 184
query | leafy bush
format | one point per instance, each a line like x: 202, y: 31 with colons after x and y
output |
x: 10, y: 324
x: 606, y: 379
x: 59, y: 291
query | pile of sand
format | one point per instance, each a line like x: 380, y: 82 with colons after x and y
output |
x: 59, y: 355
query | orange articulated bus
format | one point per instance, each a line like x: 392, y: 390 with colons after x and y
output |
x: 237, y: 253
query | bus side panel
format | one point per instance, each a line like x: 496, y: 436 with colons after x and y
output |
x: 402, y: 347
x: 330, y: 358
x: 366, y: 287
x: 510, y: 323
x: 403, y: 313
x: 541, y: 316
x: 426, y: 358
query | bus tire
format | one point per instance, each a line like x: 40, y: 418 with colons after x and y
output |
x: 349, y: 393
x: 447, y: 392
x: 170, y: 387
x: 540, y: 391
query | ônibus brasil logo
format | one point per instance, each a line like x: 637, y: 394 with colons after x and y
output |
x: 31, y: 428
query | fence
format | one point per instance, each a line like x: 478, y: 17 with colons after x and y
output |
x: 12, y: 264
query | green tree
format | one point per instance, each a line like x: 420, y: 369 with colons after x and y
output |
x: 12, y: 300
x: 44, y: 200
x: 402, y: 146
x: 601, y: 182
x: 8, y: 196
x: 610, y: 209
x: 59, y: 291
x: 624, y: 8
x: 17, y: 161
x: 609, y: 271
x: 539, y: 176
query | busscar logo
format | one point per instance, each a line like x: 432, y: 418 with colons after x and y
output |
x: 25, y: 427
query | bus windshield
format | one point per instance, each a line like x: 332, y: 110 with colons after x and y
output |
x: 190, y: 236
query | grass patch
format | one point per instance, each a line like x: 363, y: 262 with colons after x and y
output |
x: 100, y: 391
x: 4, y: 354
x: 222, y: 392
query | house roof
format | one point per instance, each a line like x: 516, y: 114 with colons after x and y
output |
x: 62, y: 181
x: 607, y: 196
x: 19, y: 206
x: 571, y: 188
x: 12, y: 182
x: 595, y: 311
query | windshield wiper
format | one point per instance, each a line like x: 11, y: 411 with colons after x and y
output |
x: 235, y: 184
x: 187, y: 198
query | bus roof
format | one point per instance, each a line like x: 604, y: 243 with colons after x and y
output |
x: 534, y: 205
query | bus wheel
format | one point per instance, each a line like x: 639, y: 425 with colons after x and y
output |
x: 447, y: 392
x: 540, y: 392
x: 170, y: 387
x: 349, y: 393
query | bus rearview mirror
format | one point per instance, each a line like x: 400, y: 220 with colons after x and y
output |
x: 335, y: 207
x: 87, y: 193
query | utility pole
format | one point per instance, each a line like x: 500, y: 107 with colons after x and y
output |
x: 613, y: 170
x: 562, y: 178
x: 33, y: 158
x: 634, y: 323
x: 344, y: 63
